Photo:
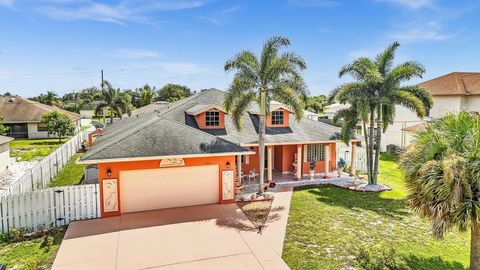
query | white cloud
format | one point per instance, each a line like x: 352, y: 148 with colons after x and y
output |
x: 413, y: 4
x: 6, y: 3
x: 221, y: 16
x: 121, y: 12
x: 430, y: 31
x: 135, y: 53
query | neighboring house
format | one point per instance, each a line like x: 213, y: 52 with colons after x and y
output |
x: 22, y: 118
x: 156, y: 106
x: 451, y: 93
x: 190, y: 153
x: 332, y: 109
x: 4, y: 153
x: 88, y: 110
x: 310, y: 115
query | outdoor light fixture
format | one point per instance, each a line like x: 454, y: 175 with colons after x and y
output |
x: 109, y: 172
x: 228, y: 164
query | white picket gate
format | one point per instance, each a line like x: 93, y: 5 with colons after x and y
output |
x: 53, y: 206
x: 42, y: 173
x: 345, y: 152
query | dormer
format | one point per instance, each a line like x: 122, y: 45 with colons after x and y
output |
x: 208, y: 116
x: 279, y: 116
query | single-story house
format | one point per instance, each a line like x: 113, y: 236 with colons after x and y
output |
x: 4, y: 152
x: 191, y: 153
x: 88, y: 110
x: 22, y: 117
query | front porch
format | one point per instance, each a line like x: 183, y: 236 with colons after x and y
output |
x: 344, y: 180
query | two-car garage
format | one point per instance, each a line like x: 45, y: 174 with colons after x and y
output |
x: 150, y: 189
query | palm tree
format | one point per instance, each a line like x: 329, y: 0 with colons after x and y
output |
x: 146, y: 95
x: 117, y: 102
x: 273, y: 76
x: 379, y: 86
x: 442, y: 174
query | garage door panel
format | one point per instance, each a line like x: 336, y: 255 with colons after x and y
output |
x: 142, y: 190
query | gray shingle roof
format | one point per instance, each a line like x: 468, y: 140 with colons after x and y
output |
x: 172, y: 131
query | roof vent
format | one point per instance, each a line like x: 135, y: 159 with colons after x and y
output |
x: 11, y: 100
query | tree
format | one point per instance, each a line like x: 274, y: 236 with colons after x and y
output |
x: 3, y: 129
x: 316, y: 103
x: 119, y: 103
x: 173, y: 92
x: 272, y: 76
x: 146, y: 95
x: 442, y: 174
x: 74, y: 106
x: 58, y: 124
x: 378, y: 87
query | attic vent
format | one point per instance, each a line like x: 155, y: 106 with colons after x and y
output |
x: 11, y: 100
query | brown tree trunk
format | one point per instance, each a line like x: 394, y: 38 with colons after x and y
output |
x: 261, y: 142
x: 475, y: 247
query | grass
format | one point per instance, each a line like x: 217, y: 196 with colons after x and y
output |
x: 72, y: 173
x: 327, y: 226
x: 32, y: 254
x: 30, y: 150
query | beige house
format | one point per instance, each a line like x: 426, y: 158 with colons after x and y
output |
x: 451, y: 93
x: 4, y: 153
x: 22, y: 118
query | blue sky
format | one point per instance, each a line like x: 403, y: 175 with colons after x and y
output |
x: 62, y: 45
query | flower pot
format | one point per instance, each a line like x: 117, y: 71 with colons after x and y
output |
x: 312, y: 174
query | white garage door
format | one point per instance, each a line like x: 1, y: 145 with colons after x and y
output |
x: 142, y: 190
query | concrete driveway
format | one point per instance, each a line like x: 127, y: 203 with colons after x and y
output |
x: 198, y: 237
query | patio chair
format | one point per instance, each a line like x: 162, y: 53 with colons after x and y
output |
x: 251, y: 175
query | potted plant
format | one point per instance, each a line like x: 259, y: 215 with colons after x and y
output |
x: 340, y: 165
x: 312, y: 169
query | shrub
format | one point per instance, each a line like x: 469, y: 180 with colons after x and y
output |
x: 380, y: 258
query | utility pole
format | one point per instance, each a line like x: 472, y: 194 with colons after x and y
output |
x: 103, y: 110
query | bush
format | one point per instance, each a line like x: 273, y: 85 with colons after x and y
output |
x: 380, y: 258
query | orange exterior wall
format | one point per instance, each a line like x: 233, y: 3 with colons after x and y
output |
x: 284, y: 156
x: 286, y: 114
x: 252, y: 161
x: 320, y: 165
x: 116, y: 167
x: 200, y: 118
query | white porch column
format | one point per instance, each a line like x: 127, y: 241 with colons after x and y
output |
x: 299, y: 162
x: 327, y: 160
x: 269, y: 163
x: 239, y: 168
x: 353, y: 159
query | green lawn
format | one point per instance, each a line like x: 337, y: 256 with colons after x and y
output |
x: 33, y: 254
x: 72, y: 173
x: 328, y: 225
x: 28, y: 150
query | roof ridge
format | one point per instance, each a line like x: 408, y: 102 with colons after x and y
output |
x: 185, y: 100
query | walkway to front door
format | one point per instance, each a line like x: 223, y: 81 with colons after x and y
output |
x: 198, y: 237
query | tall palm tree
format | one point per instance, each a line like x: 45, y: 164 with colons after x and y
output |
x: 113, y: 99
x: 272, y: 76
x: 379, y: 86
x: 442, y: 174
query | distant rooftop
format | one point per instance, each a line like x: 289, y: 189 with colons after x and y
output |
x: 455, y: 83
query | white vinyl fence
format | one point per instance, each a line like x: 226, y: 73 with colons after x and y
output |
x: 345, y: 152
x: 49, y: 207
x: 43, y: 172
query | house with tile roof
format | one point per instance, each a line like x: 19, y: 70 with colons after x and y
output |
x: 191, y: 153
x: 22, y: 117
x: 451, y: 93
